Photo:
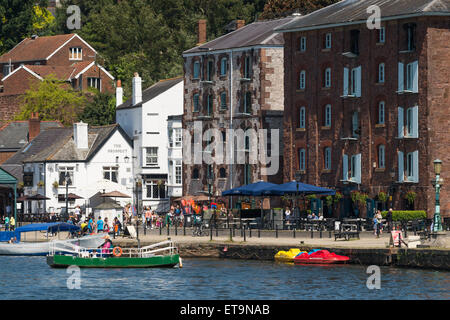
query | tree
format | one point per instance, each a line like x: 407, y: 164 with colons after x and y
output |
x: 279, y: 8
x: 100, y: 111
x: 19, y: 19
x: 53, y: 99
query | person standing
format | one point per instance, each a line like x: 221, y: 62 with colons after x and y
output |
x: 6, y: 223
x: 106, y: 226
x: 389, y: 220
x: 12, y: 223
x: 100, y: 225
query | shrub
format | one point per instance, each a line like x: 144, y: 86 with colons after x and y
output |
x: 406, y: 215
x: 382, y: 196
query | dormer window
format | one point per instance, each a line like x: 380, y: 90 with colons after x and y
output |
x: 76, y: 53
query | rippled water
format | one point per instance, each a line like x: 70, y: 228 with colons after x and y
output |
x: 205, y: 279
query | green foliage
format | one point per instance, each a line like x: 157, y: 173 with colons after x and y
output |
x: 100, y: 111
x: 410, y: 196
x: 329, y: 201
x: 53, y: 100
x: 382, y: 196
x: 337, y: 197
x: 406, y: 215
x: 359, y: 198
x: 311, y: 196
x: 279, y: 8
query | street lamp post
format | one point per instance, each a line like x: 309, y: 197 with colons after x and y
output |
x: 138, y: 182
x: 437, y: 183
x: 209, y: 180
x: 67, y: 181
x: 391, y: 188
x: 297, y: 179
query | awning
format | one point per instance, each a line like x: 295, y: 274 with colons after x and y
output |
x: 37, y: 197
x: 304, y: 188
x: 51, y: 227
x: 260, y: 188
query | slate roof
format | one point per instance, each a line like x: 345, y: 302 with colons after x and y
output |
x: 14, y: 135
x: 35, y: 49
x: 57, y: 145
x: 253, y: 34
x: 152, y: 92
x: 355, y: 11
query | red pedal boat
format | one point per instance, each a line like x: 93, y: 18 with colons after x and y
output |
x: 320, y: 257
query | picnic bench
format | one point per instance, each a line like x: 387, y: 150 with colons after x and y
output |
x: 346, y: 231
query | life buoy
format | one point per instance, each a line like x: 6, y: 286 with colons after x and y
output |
x: 115, y: 253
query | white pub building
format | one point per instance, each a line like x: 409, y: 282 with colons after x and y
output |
x: 152, y: 120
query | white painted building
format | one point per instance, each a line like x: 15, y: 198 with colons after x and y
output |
x: 97, y: 160
x: 147, y: 120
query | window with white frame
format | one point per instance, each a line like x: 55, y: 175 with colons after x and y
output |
x: 327, y: 78
x: 381, y: 156
x: 303, y: 44
x: 151, y: 156
x: 408, y: 122
x: 410, y: 172
x: 327, y: 158
x: 7, y: 69
x: 156, y: 189
x: 381, y: 112
x: 178, y: 172
x: 381, y: 70
x: 355, y: 124
x: 302, y: 80
x: 62, y: 175
x: 382, y: 35
x: 209, y: 105
x: 302, y: 118
x: 302, y: 159
x: 327, y: 122
x: 94, y: 83
x: 408, y: 80
x: 352, y: 82
x: 178, y: 137
x: 328, y: 41
x: 111, y: 173
x: 354, y: 174
x: 76, y: 53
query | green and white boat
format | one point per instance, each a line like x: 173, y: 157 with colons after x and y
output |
x: 162, y: 254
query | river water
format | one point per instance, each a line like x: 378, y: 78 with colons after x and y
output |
x: 208, y: 279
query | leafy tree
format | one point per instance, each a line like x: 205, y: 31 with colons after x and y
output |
x: 279, y: 8
x: 100, y: 111
x: 16, y: 21
x: 53, y: 99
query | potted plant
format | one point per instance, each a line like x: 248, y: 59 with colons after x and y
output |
x: 20, y: 186
x: 410, y: 196
x: 40, y: 183
x: 55, y: 184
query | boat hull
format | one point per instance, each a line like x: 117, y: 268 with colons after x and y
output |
x: 43, y: 248
x: 320, y: 257
x: 63, y: 261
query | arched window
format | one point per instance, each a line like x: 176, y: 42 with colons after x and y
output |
x: 327, y: 114
x: 381, y: 73
x: 381, y: 112
x: 302, y: 118
x: 302, y: 80
x: 381, y: 157
x: 327, y: 158
x: 327, y: 78
x: 302, y: 159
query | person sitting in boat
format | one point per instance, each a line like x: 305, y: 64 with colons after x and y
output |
x: 106, y: 246
x: 13, y: 240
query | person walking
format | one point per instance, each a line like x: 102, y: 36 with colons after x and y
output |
x: 6, y: 223
x: 378, y: 223
x: 100, y: 224
x: 106, y: 226
x: 389, y: 220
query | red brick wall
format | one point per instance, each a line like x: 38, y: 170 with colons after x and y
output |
x: 314, y: 98
x: 18, y: 82
x: 107, y: 85
x: 61, y: 58
x: 9, y: 106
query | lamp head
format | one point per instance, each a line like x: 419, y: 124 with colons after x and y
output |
x: 437, y: 166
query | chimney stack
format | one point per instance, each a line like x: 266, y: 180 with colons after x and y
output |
x: 119, y: 93
x: 240, y: 24
x: 137, y: 89
x: 80, y: 135
x: 34, y: 126
x: 201, y: 31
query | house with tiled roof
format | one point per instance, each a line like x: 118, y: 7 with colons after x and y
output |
x: 67, y: 57
x: 81, y: 160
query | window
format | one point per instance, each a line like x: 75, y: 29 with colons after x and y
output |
x: 381, y: 73
x: 28, y: 179
x: 302, y: 159
x: 110, y: 173
x: 247, y: 174
x: 196, y: 70
x: 76, y: 53
x: 302, y: 80
x: 247, y: 102
x: 412, y: 166
x: 355, y: 168
x: 209, y: 70
x: 327, y: 82
x: 410, y: 32
x: 178, y: 170
x: 409, y: 122
x: 222, y: 173
x: 223, y: 100
x: 195, y: 174
x: 355, y: 125
x: 382, y: 35
x: 409, y: 126
x: 223, y: 66
x: 175, y: 138
x: 94, y: 83
x: 302, y: 44
x: 247, y: 67
x: 355, y: 82
x: 412, y: 77
x: 151, y: 157
x: 328, y: 41
x: 381, y: 112
x: 196, y: 102
x: 302, y: 118
x: 7, y: 69
x: 209, y: 105
x: 156, y: 190
x: 327, y: 158
x: 354, y: 41
x: 62, y: 175
x: 381, y: 156
x: 327, y: 118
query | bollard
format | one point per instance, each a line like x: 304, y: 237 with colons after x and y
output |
x: 231, y: 234
x: 243, y: 229
x: 259, y: 233
x: 210, y: 233
x: 184, y: 229
x: 276, y: 231
x: 293, y: 232
x: 234, y: 234
x: 176, y: 231
x: 168, y: 229
x: 312, y: 232
x: 320, y: 233
x: 217, y: 232
x: 329, y: 233
x: 250, y: 232
x: 160, y: 229
x: 145, y: 230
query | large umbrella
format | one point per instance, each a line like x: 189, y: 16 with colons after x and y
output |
x: 73, y: 196
x: 115, y: 194
x: 304, y: 188
x: 37, y: 196
x: 260, y: 188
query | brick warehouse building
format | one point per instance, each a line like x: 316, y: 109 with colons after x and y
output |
x: 67, y: 57
x: 233, y: 82
x: 368, y: 109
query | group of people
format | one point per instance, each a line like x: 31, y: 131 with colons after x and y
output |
x: 378, y: 222
x: 9, y: 223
